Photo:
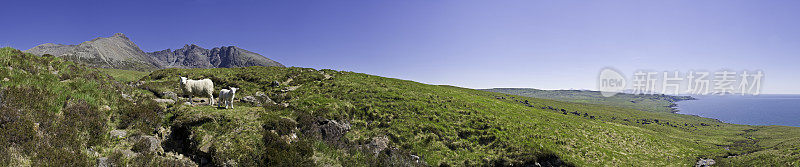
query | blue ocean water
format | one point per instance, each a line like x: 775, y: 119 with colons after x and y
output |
x: 750, y: 110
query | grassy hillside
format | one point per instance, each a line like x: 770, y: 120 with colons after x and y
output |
x: 124, y: 76
x: 457, y: 126
x: 332, y: 118
x: 58, y: 113
x: 645, y: 102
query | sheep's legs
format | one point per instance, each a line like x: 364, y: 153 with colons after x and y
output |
x: 210, y: 99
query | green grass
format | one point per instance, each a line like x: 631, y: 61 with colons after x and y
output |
x: 443, y: 125
x: 645, y: 102
x: 59, y: 113
x: 54, y: 111
x: 124, y: 76
x: 457, y: 126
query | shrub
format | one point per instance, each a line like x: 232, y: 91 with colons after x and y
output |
x: 282, y: 126
x: 86, y: 118
x: 146, y: 116
x: 281, y: 153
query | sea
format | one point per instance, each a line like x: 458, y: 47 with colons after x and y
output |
x: 749, y: 110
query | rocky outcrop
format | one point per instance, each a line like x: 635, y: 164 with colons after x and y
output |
x: 51, y: 48
x: 169, y: 95
x: 147, y: 144
x: 705, y: 162
x: 116, y: 51
x: 119, y: 52
x: 331, y: 130
x: 378, y: 144
x: 258, y: 100
x: 118, y: 133
x: 166, y: 101
x: 193, y: 56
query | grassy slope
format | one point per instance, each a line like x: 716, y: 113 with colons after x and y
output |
x: 773, y: 144
x: 124, y: 76
x: 441, y: 124
x: 58, y: 113
x: 655, y: 103
x: 450, y: 125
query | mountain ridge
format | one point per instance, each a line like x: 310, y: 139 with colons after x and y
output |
x: 116, y: 51
x: 193, y: 56
x: 119, y: 52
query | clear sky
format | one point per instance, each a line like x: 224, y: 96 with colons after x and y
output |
x: 474, y: 44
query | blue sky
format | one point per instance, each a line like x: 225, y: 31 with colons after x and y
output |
x: 474, y: 44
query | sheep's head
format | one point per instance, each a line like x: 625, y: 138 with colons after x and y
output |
x: 233, y: 90
x: 183, y: 80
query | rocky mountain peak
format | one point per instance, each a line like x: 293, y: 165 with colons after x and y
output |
x: 119, y: 35
x: 193, y: 56
x: 188, y: 46
x: 118, y: 51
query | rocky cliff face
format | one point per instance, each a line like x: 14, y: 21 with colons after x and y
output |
x: 51, y: 48
x: 119, y: 52
x: 116, y: 51
x: 193, y: 56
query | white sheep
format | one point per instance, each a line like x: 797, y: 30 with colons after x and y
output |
x: 226, y: 97
x: 198, y: 87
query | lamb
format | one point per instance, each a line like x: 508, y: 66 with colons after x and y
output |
x: 221, y: 101
x: 198, y: 87
x: 226, y: 97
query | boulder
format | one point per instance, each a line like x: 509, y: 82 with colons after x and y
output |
x: 118, y: 133
x: 146, y: 143
x: 258, y: 100
x: 251, y: 100
x: 378, y: 144
x: 127, y: 97
x: 103, y: 162
x: 705, y: 162
x: 331, y: 130
x: 127, y: 153
x: 169, y: 95
x: 168, y: 101
x: 179, y: 159
x: 205, y: 148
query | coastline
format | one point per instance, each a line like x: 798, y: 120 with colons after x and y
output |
x: 675, y: 110
x: 674, y: 104
x: 762, y: 110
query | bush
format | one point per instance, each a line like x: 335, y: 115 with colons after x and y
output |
x: 280, y: 152
x: 86, y: 118
x: 282, y: 126
x: 145, y: 117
